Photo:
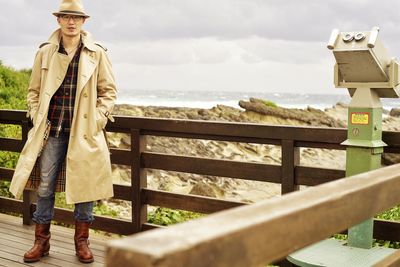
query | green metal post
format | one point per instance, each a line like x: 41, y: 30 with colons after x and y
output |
x: 364, y: 149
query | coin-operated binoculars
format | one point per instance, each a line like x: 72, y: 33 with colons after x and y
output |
x: 364, y: 67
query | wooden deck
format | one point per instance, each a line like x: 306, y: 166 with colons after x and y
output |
x: 16, y: 238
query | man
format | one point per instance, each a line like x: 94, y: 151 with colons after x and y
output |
x: 70, y: 97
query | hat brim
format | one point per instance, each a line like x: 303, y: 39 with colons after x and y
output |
x: 75, y: 13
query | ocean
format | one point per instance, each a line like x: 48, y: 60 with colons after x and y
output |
x: 209, y: 99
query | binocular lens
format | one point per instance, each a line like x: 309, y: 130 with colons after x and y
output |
x: 348, y: 37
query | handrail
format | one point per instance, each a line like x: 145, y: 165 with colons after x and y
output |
x: 263, y: 232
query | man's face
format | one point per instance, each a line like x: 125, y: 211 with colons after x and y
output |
x: 70, y: 25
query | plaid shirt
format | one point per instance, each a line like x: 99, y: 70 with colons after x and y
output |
x: 62, y: 103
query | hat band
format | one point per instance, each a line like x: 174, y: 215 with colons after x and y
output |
x: 72, y: 12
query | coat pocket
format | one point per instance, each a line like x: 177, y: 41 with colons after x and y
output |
x: 101, y: 120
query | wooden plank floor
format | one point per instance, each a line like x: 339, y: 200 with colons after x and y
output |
x: 16, y: 238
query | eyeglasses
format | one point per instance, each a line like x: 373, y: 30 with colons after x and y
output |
x: 66, y: 18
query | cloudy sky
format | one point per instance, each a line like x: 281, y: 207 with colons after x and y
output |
x: 226, y: 45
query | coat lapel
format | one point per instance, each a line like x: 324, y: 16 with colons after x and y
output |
x: 87, y: 65
x: 57, y: 71
x: 87, y: 62
x: 58, y: 66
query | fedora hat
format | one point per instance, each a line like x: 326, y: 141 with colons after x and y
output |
x: 71, y: 7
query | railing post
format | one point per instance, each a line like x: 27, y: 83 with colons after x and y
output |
x: 285, y: 263
x: 24, y: 130
x: 290, y: 159
x: 138, y: 180
x: 29, y: 196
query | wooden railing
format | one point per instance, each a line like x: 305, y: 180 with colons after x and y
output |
x: 266, y: 231
x: 289, y: 174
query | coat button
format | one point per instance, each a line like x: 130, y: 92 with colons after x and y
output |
x: 85, y: 116
x: 85, y: 136
x: 85, y: 95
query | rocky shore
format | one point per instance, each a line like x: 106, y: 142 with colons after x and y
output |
x: 253, y: 110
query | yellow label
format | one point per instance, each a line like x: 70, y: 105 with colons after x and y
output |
x: 360, y: 118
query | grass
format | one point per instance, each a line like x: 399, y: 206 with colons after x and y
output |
x: 269, y: 103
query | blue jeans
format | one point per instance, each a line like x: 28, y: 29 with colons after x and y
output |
x: 52, y: 156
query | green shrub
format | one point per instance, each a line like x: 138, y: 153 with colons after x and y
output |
x: 392, y: 214
x: 165, y: 216
x: 4, y: 186
x: 13, y: 90
x: 104, y: 210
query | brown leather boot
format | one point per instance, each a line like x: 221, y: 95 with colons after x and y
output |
x: 42, y: 244
x: 82, y: 243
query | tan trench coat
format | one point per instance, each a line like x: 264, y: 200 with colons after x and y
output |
x: 88, y: 174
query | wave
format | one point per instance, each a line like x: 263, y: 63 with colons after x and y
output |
x: 209, y: 99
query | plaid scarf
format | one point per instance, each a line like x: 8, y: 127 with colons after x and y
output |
x: 34, y: 179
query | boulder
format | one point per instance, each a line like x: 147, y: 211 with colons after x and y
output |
x: 203, y: 188
x: 395, y: 112
x: 310, y: 116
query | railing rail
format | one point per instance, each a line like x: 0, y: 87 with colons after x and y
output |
x: 289, y: 174
x: 266, y: 231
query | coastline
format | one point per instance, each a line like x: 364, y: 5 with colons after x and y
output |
x: 208, y: 99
